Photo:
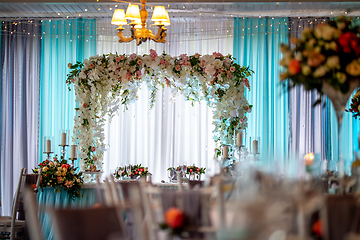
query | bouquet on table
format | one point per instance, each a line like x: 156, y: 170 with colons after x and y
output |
x: 196, y: 171
x: 135, y: 172
x: 60, y: 176
x: 191, y: 170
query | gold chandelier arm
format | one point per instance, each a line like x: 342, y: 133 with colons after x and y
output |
x: 160, y: 36
x: 121, y: 35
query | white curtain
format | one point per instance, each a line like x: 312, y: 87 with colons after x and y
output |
x: 173, y: 132
x: 308, y: 125
x: 20, y: 87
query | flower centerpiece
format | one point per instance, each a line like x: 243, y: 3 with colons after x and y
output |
x: 136, y: 171
x: 60, y: 176
x: 326, y: 59
x: 191, y: 170
x: 196, y: 171
x: 355, y: 105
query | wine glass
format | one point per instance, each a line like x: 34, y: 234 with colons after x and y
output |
x: 171, y: 174
x: 184, y: 169
x: 128, y: 170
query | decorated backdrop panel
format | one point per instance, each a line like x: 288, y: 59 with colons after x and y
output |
x: 102, y: 83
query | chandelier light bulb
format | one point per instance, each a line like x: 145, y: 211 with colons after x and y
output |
x: 119, y: 17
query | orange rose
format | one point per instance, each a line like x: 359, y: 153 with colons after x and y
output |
x: 315, y: 59
x: 174, y: 217
x: 294, y: 67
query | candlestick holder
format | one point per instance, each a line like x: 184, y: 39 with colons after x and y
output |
x: 240, y: 153
x: 254, y: 147
x: 48, y: 155
x: 63, y: 151
x: 73, y: 161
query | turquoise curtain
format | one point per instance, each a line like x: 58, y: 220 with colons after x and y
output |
x: 256, y: 44
x: 63, y: 42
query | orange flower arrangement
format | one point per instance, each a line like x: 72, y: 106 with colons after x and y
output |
x: 330, y: 52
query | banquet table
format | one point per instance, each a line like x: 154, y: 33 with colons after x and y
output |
x: 48, y: 198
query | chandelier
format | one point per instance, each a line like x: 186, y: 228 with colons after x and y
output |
x: 138, y: 23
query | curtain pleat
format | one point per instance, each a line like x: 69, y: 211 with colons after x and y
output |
x: 20, y: 61
x: 256, y: 44
x: 63, y: 42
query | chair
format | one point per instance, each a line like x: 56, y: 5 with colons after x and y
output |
x: 31, y: 213
x: 12, y: 225
x: 88, y: 223
x: 195, y: 204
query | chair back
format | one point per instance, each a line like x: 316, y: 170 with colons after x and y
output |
x: 16, y: 201
x: 31, y: 213
x: 90, y: 223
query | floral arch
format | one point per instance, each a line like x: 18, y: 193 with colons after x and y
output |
x: 102, y: 83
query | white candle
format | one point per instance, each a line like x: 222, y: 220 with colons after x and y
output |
x: 73, y: 151
x: 225, y: 152
x: 63, y: 139
x: 48, y: 146
x: 239, y: 139
x: 255, y: 146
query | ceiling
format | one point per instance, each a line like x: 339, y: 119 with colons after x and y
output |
x: 54, y: 9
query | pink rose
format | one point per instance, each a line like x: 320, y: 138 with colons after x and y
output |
x: 232, y: 69
x: 177, y: 67
x: 162, y: 62
x: 122, y: 57
x: 93, y: 149
x: 139, y: 62
x: 197, y: 55
x: 117, y: 59
x: 69, y: 65
x: 229, y: 75
x: 85, y: 105
x: 136, y: 172
x: 95, y: 158
x: 133, y: 56
x: 188, y: 64
x: 91, y: 66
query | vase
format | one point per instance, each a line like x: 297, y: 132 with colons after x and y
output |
x: 339, y: 101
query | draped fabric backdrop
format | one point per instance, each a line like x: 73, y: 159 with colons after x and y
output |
x: 256, y: 44
x: 19, y: 123
x: 63, y: 42
x: 173, y: 132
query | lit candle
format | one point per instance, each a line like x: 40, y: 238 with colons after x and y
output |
x: 225, y: 152
x: 255, y: 146
x: 63, y: 139
x: 48, y: 146
x: 73, y: 151
x: 239, y: 139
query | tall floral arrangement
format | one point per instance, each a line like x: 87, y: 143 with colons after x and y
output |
x: 103, y: 82
x: 330, y: 52
x: 60, y: 176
